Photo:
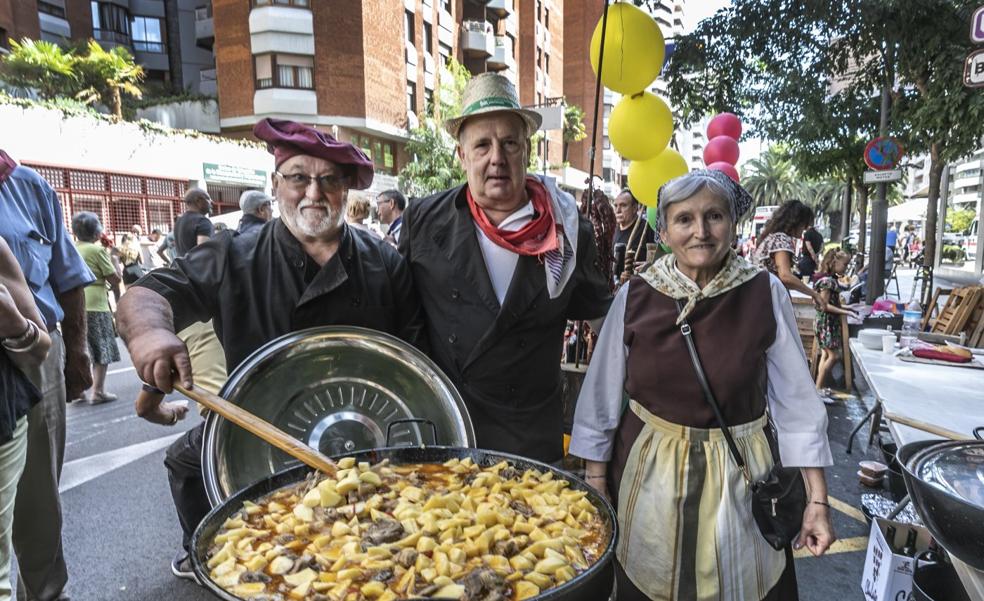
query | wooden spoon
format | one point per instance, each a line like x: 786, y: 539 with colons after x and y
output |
x: 264, y: 429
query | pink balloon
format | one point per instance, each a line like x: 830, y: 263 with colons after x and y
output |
x: 721, y: 148
x: 726, y: 168
x: 725, y: 124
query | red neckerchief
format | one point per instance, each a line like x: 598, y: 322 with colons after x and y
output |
x: 533, y: 239
x: 7, y: 165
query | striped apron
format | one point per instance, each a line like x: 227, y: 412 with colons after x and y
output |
x: 685, y: 514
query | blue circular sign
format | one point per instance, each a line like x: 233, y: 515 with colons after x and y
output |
x: 883, y: 153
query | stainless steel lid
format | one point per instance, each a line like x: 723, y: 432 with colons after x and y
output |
x: 956, y: 467
x: 338, y: 389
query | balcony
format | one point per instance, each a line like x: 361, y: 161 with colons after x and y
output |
x: 204, y: 27
x: 502, y: 57
x: 500, y: 7
x: 477, y: 38
x: 54, y: 25
x: 281, y: 29
x: 207, y: 82
x: 110, y: 39
x: 285, y: 101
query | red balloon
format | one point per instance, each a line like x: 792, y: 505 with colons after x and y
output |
x: 721, y: 148
x: 725, y: 124
x: 726, y: 168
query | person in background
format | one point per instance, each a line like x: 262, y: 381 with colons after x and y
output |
x: 193, y: 226
x: 810, y: 253
x: 31, y: 223
x: 909, y: 244
x: 148, y: 245
x: 390, y: 205
x: 891, y: 241
x: 827, y: 326
x: 114, y: 256
x: 358, y: 211
x: 165, y: 250
x: 632, y: 233
x: 129, y: 253
x: 101, y: 331
x: 257, y: 210
x: 650, y: 437
x: 777, y: 245
x: 25, y: 343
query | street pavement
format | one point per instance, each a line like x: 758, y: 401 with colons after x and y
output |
x: 121, y: 529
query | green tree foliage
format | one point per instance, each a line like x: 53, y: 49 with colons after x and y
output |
x: 574, y: 130
x: 772, y: 178
x: 40, y: 65
x: 960, y: 221
x: 106, y: 75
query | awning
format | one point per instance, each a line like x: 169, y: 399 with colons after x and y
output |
x: 911, y: 210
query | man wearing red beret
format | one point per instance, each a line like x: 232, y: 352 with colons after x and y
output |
x: 305, y: 269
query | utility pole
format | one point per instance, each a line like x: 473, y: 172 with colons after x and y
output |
x: 846, y: 214
x: 879, y: 208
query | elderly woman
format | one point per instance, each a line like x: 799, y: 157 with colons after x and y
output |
x: 684, y: 508
x: 358, y: 211
x: 101, y: 331
x: 776, y: 249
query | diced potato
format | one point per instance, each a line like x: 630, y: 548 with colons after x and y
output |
x: 339, y: 529
x: 249, y: 589
x: 350, y: 574
x: 312, y: 498
x: 373, y: 589
x: 541, y: 580
x: 346, y: 463
x: 370, y: 477
x: 304, y: 576
x: 564, y: 574
x: 304, y: 513
x: 412, y: 493
x: 300, y: 592
x: 256, y: 564
x: 224, y: 568
x: 426, y: 544
x: 280, y: 565
x: 450, y: 591
x: 549, y: 565
x: 525, y: 590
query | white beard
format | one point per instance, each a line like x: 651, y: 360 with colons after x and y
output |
x: 329, y: 224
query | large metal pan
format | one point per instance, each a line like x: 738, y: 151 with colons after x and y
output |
x: 945, y: 481
x: 595, y: 584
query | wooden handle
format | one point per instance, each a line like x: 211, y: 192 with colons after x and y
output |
x: 265, y: 430
x: 919, y: 425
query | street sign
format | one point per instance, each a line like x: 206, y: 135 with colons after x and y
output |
x: 883, y: 153
x: 883, y: 177
x: 974, y: 69
x: 977, y: 26
x: 235, y: 175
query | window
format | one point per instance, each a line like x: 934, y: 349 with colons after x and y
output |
x: 51, y: 8
x: 512, y: 45
x: 294, y: 3
x: 411, y: 96
x: 428, y: 98
x: 284, y: 71
x: 445, y: 51
x: 607, y: 144
x: 147, y: 34
x: 539, y: 57
x: 546, y: 18
x: 411, y: 33
x: 447, y: 5
x: 546, y: 63
x: 110, y: 22
x: 608, y: 174
x: 428, y: 38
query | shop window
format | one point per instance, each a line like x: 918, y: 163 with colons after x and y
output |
x: 147, y: 34
x: 284, y: 71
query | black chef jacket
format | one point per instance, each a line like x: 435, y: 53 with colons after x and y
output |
x: 504, y: 360
x: 256, y: 288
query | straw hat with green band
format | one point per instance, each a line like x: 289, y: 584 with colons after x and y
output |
x: 492, y: 93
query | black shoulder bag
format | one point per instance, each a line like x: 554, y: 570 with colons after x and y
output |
x: 778, y: 501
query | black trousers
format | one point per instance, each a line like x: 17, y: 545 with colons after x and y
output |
x: 784, y: 590
x: 184, y: 473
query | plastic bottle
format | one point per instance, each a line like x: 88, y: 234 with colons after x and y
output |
x: 911, y: 323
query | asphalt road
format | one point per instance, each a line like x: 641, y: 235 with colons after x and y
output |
x: 121, y: 529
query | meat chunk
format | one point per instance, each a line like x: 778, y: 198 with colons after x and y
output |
x: 383, y: 575
x: 521, y: 508
x: 407, y: 557
x: 283, y: 539
x: 510, y: 473
x: 383, y: 531
x: 257, y: 576
x: 484, y: 584
x: 506, y: 548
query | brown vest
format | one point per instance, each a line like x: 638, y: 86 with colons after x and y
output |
x: 732, y: 333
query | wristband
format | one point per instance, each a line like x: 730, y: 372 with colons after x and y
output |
x: 824, y: 503
x: 26, y: 341
x: 594, y: 476
x: 152, y: 389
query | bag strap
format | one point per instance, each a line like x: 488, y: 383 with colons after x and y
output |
x: 705, y: 385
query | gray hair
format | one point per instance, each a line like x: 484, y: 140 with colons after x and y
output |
x: 251, y: 200
x: 690, y: 184
x: 86, y: 226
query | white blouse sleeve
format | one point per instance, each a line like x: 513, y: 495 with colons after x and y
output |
x: 599, y: 405
x: 797, y: 411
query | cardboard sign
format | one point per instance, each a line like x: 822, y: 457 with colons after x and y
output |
x: 887, y: 575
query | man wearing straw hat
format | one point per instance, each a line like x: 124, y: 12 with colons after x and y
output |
x: 500, y: 264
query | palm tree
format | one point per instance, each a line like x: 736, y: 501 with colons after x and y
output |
x: 107, y: 75
x: 771, y: 179
x: 40, y: 65
x: 826, y: 196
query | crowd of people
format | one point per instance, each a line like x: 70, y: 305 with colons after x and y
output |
x: 485, y: 278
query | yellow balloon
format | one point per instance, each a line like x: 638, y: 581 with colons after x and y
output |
x: 640, y: 126
x: 646, y: 177
x: 633, y: 49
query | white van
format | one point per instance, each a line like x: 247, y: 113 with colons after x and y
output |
x: 759, y: 219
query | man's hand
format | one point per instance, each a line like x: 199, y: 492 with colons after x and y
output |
x: 12, y: 323
x: 78, y: 376
x: 157, y: 354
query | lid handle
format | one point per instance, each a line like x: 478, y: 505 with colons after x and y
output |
x: 410, y: 420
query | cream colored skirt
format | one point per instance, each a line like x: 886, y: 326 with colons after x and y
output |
x: 685, y: 514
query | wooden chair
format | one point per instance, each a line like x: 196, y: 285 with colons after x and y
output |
x: 960, y: 306
x: 931, y: 309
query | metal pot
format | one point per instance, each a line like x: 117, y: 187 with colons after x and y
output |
x: 936, y: 582
x: 945, y: 481
x: 338, y: 389
x: 592, y: 585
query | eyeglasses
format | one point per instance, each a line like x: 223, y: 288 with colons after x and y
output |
x: 326, y: 183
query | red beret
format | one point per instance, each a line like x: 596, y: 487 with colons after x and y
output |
x: 286, y: 139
